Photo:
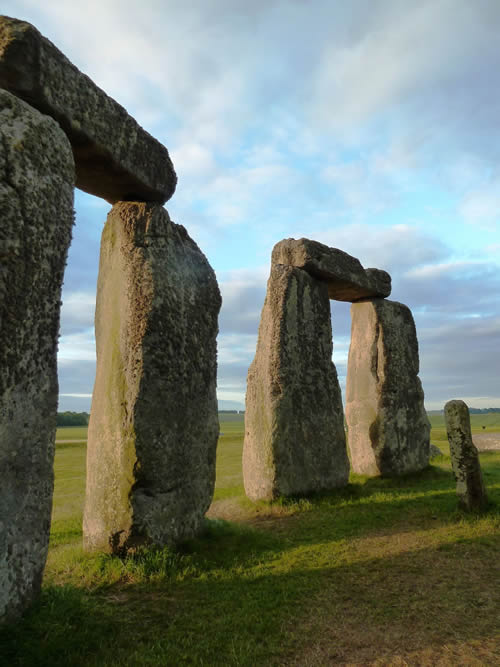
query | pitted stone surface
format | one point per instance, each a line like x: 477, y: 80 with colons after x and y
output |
x: 388, y: 428
x: 115, y: 158
x: 294, y: 432
x: 36, y: 217
x: 154, y: 425
x: 347, y: 280
x: 464, y: 457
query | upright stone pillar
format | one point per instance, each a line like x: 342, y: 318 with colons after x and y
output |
x: 294, y: 430
x: 464, y: 457
x: 154, y: 425
x: 388, y: 428
x: 36, y: 216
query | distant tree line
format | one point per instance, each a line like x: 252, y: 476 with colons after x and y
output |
x: 72, y: 418
x: 231, y: 412
x: 483, y: 411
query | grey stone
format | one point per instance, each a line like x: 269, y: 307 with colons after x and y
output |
x: 294, y: 432
x: 36, y: 217
x: 464, y: 457
x: 154, y: 425
x: 388, y: 428
x: 434, y: 451
x: 347, y: 279
x: 115, y: 158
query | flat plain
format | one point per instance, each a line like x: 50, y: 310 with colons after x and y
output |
x: 383, y: 572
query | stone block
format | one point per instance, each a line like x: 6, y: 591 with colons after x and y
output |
x: 388, y: 428
x: 36, y: 217
x: 115, y: 158
x: 294, y: 431
x: 464, y: 457
x: 154, y: 425
x: 347, y: 280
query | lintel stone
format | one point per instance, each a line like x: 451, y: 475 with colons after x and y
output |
x: 347, y: 279
x: 114, y: 157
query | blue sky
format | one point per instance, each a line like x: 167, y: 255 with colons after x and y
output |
x: 372, y: 126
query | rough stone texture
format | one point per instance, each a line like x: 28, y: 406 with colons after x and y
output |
x: 347, y: 279
x: 36, y: 216
x: 464, y: 457
x: 154, y: 425
x: 486, y: 442
x: 434, y: 451
x: 388, y: 428
x: 294, y: 431
x: 115, y: 158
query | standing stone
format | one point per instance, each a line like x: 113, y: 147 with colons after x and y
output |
x: 154, y: 425
x: 388, y: 428
x: 464, y: 457
x: 294, y: 431
x: 36, y: 216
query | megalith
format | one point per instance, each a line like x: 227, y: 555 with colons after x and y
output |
x: 388, y: 428
x: 464, y: 457
x: 346, y: 278
x: 36, y: 217
x: 115, y: 158
x: 154, y: 424
x: 294, y: 431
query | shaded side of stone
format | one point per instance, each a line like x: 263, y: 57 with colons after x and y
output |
x: 347, y: 280
x: 388, y: 428
x: 464, y: 457
x: 115, y: 158
x: 36, y: 217
x: 154, y: 424
x: 294, y: 432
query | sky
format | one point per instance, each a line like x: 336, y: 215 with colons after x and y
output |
x: 371, y: 126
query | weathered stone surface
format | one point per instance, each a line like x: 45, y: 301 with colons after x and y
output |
x: 294, y: 432
x: 464, y: 457
x: 154, y: 426
x: 36, y: 216
x: 347, y: 279
x: 115, y: 158
x: 434, y: 451
x: 388, y: 428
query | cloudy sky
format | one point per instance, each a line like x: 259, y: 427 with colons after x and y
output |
x: 372, y: 126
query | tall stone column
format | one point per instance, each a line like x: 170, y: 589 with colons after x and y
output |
x: 154, y: 426
x: 36, y: 216
x: 388, y: 428
x: 294, y: 429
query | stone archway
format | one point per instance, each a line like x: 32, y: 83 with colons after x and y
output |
x: 154, y: 424
x: 294, y: 425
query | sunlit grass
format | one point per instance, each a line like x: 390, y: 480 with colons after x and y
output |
x: 385, y: 569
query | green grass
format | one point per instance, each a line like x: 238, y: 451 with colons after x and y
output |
x: 382, y: 572
x: 71, y: 433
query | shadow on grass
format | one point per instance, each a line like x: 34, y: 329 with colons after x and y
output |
x: 350, y: 612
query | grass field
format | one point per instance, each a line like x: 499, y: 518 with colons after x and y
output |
x: 384, y: 572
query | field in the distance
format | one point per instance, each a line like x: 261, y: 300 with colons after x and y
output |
x: 382, y: 572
